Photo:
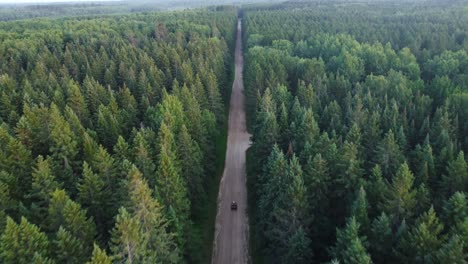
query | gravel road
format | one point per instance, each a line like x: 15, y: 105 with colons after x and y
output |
x: 232, y: 229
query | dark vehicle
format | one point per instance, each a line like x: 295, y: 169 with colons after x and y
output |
x: 234, y: 205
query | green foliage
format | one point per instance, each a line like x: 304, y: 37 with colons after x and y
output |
x: 23, y: 242
x: 349, y: 247
x: 74, y: 229
x: 421, y: 243
x: 371, y: 99
x: 140, y: 234
x: 99, y: 256
x: 400, y: 200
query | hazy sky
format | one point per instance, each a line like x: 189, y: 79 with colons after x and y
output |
x: 46, y: 1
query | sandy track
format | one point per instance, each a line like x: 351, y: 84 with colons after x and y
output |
x: 232, y: 229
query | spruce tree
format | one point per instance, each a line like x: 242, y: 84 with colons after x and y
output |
x: 400, y: 199
x: 91, y: 194
x: 99, y: 256
x: 23, y: 242
x: 389, y: 155
x: 160, y: 244
x: 421, y: 243
x: 64, y: 148
x: 349, y: 247
x: 68, y: 248
x: 456, y: 178
x: 359, y: 210
x: 381, y: 239
x: 171, y: 187
x: 190, y: 157
x: 270, y: 188
x: 128, y: 243
x: 67, y: 214
x: 43, y: 185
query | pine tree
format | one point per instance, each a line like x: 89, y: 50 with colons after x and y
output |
x: 359, y: 209
x: 99, y: 256
x: 170, y: 187
x: 453, y: 251
x: 381, y: 240
x: 376, y: 189
x: 400, y: 200
x: 266, y: 128
x: 15, y: 160
x: 297, y: 194
x: 389, y: 155
x: 23, y: 242
x: 5, y: 201
x: 63, y: 147
x: 317, y: 179
x: 194, y: 115
x: 192, y: 172
x: 121, y: 150
x: 457, y: 176
x: 128, y: 243
x: 68, y: 248
x: 214, y: 97
x: 283, y: 125
x: 424, y: 165
x: 91, y: 194
x: 76, y: 102
x: 143, y: 157
x: 270, y: 188
x: 160, y: 245
x: 65, y: 213
x: 307, y: 131
x: 422, y: 242
x: 455, y: 216
x: 350, y: 178
x: 307, y: 97
x: 43, y: 185
x: 108, y: 127
x: 298, y: 250
x: 349, y: 247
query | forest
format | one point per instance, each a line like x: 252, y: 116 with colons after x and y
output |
x: 110, y: 133
x: 114, y: 129
x: 359, y: 116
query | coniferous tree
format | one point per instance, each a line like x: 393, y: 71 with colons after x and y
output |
x: 457, y: 176
x: 400, y: 199
x: 270, y: 188
x: 171, y: 187
x: 68, y: 248
x: 99, y: 256
x: 192, y: 172
x: 389, y: 155
x: 359, y: 209
x: 68, y: 215
x: 63, y: 147
x: 382, y: 239
x: 421, y: 243
x: 91, y: 194
x: 23, y: 242
x: 43, y: 185
x: 349, y: 247
x: 127, y: 240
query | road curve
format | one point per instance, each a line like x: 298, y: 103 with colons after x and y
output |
x: 232, y: 228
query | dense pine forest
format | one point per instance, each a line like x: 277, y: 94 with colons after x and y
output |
x: 110, y: 133
x: 114, y: 127
x: 359, y: 115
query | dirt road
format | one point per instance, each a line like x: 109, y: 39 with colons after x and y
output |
x: 232, y: 229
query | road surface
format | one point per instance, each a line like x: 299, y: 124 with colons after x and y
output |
x: 232, y: 228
